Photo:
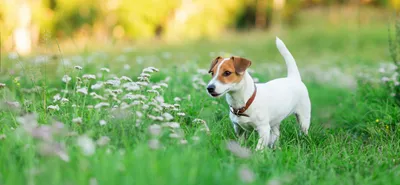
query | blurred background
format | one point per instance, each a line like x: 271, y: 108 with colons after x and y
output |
x: 27, y: 25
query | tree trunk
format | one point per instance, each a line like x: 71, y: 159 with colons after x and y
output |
x: 261, y: 14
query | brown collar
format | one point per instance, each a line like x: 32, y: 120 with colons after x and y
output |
x: 240, y: 111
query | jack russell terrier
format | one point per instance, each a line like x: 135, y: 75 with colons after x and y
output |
x: 260, y: 106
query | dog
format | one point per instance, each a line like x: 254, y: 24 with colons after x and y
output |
x: 261, y: 106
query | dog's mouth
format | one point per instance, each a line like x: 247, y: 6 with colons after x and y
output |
x: 214, y: 94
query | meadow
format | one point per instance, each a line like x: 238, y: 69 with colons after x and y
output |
x: 140, y: 114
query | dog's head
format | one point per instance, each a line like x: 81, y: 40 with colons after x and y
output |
x: 226, y: 74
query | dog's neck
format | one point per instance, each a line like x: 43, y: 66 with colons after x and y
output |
x: 238, y: 97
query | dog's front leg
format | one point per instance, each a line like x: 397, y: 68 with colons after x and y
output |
x: 264, y: 131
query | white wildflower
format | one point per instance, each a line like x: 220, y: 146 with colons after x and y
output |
x: 66, y: 78
x: 103, y: 140
x: 168, y: 116
x: 183, y: 141
x: 154, y: 144
x: 171, y: 124
x: 396, y: 83
x: 150, y: 69
x: 2, y: 136
x: 87, y: 145
x: 2, y: 85
x: 177, y: 99
x: 117, y: 91
x: 53, y: 107
x: 127, y: 67
x: 105, y: 69
x: 381, y: 70
x: 238, y: 150
x: 101, y: 104
x: 163, y: 85
x: 131, y: 86
x: 77, y: 120
x: 82, y: 90
x: 102, y: 122
x: 56, y: 97
x: 246, y: 175
x: 142, y: 83
x: 156, y: 87
x: 136, y: 102
x: 153, y: 91
x: 145, y: 107
x: 202, y: 71
x: 97, y: 86
x: 145, y: 75
x: 78, y: 67
x: 143, y: 79
x: 139, y: 114
x: 385, y: 79
x: 89, y: 76
x: 114, y: 83
x: 155, y: 130
x: 125, y: 78
x: 180, y: 114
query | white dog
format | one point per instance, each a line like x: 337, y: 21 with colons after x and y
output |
x: 260, y: 106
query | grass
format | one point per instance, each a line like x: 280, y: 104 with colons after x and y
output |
x: 354, y: 136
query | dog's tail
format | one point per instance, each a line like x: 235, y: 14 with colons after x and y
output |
x: 293, y: 72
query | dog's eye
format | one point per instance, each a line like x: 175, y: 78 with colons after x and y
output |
x: 227, y: 73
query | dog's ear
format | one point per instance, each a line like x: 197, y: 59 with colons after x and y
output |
x: 241, y: 64
x: 213, y: 63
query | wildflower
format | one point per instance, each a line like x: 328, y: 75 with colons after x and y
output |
x: 246, y: 175
x: 153, y: 91
x: 139, y: 114
x: 64, y: 100
x: 180, y: 114
x: 154, y: 144
x: 168, y: 116
x: 114, y: 83
x: 183, y: 141
x: 143, y: 79
x: 54, y: 148
x: 96, y: 96
x: 77, y: 120
x: 163, y: 85
x: 127, y: 67
x: 83, y: 90
x: 13, y: 104
x: 102, y: 122
x: 97, y: 86
x: 78, y: 67
x: 66, y: 78
x: 142, y: 83
x: 105, y: 69
x: 53, y: 107
x: 2, y: 85
x: 103, y: 140
x: 177, y: 99
x: 56, y: 97
x: 381, y: 70
x: 131, y: 86
x: 131, y: 96
x: 145, y: 75
x: 87, y: 145
x: 101, y: 104
x: 393, y: 94
x: 125, y: 78
x: 160, y: 99
x: 196, y: 138
x: 156, y: 87
x: 150, y: 70
x: 155, y: 130
x: 202, y: 71
x: 237, y: 150
x: 89, y: 76
x: 145, y: 107
x: 90, y: 106
x: 396, y: 83
x: 117, y: 91
x: 171, y: 124
x: 2, y: 136
x: 385, y: 79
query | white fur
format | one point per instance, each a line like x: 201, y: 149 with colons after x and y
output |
x: 275, y: 100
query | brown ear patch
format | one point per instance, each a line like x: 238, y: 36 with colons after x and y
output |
x: 213, y: 63
x: 240, y: 64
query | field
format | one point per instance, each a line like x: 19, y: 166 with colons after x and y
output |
x: 141, y: 114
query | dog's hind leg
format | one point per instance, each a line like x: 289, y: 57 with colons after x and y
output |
x: 303, y: 115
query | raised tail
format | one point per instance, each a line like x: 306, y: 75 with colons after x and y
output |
x: 293, y: 72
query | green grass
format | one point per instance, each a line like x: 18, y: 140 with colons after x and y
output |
x: 354, y: 136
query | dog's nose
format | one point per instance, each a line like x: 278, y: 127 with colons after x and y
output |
x: 211, y: 88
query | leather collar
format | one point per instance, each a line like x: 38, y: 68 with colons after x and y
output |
x: 240, y: 111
